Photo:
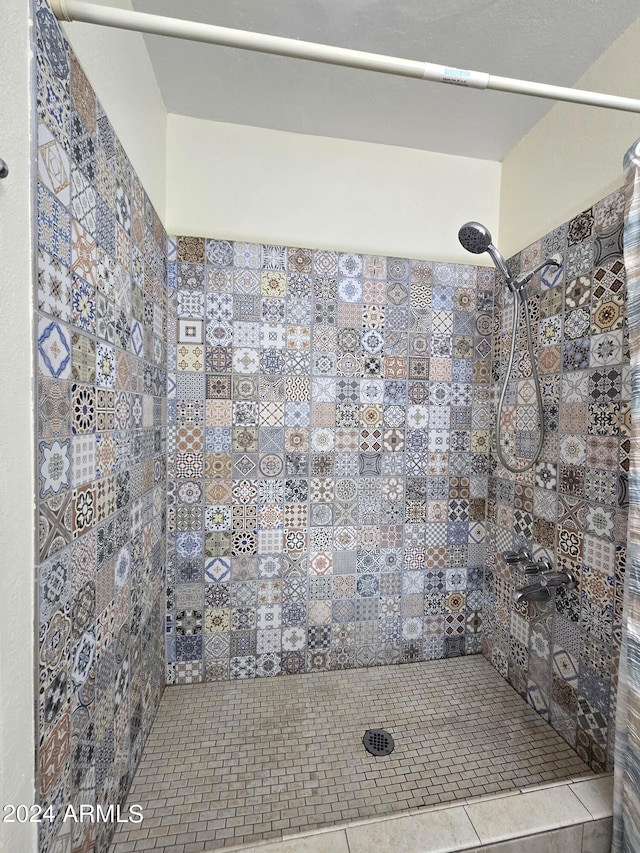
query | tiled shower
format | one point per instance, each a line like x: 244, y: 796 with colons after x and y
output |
x: 328, y: 458
x: 563, y: 656
x: 262, y: 460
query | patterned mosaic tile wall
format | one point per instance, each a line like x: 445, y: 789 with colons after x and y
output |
x: 101, y: 423
x: 327, y: 457
x: 563, y: 656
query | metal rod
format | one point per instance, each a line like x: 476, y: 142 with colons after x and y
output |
x: 76, y: 10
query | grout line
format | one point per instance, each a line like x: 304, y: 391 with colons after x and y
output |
x: 346, y: 835
x: 579, y: 798
x: 575, y: 794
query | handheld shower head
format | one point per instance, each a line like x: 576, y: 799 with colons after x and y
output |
x: 475, y: 238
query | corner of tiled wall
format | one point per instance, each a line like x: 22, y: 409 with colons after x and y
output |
x: 562, y: 656
x: 101, y: 424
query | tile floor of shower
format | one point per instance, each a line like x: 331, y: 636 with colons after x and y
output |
x: 237, y: 762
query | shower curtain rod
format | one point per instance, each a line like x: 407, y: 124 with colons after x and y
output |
x: 76, y: 10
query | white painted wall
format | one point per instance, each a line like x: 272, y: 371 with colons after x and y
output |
x: 118, y: 67
x: 573, y: 156
x: 213, y: 178
x: 17, y: 512
x: 248, y: 183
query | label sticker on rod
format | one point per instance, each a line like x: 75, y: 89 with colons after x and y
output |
x: 456, y: 76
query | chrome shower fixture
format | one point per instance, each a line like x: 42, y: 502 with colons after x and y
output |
x: 476, y: 238
x: 541, y: 575
x: 516, y: 558
x: 545, y: 580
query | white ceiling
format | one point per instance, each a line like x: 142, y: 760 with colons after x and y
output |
x: 551, y: 41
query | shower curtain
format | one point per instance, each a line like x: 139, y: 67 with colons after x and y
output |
x: 626, y: 798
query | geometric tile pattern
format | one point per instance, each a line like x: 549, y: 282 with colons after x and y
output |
x: 325, y: 421
x: 436, y: 758
x: 328, y: 446
x: 579, y: 519
x: 101, y: 442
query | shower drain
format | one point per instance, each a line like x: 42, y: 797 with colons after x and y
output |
x: 378, y: 742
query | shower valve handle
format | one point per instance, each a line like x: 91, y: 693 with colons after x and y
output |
x: 538, y: 567
x: 514, y: 558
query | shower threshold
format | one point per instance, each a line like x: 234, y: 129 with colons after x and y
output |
x: 240, y: 762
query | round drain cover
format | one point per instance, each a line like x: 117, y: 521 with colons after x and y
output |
x: 378, y: 742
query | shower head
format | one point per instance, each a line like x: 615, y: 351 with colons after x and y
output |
x: 475, y: 238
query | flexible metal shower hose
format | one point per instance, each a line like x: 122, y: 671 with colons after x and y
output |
x: 516, y: 316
